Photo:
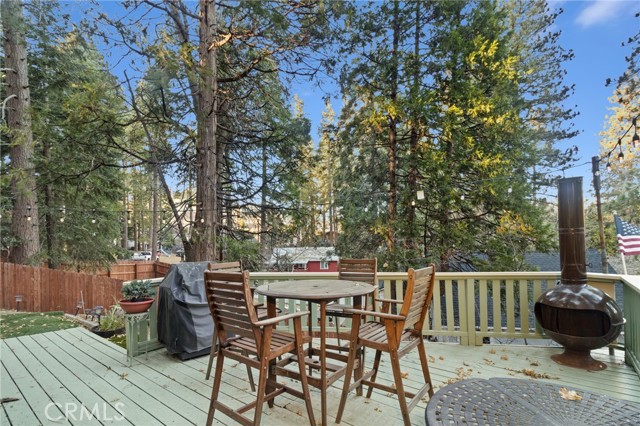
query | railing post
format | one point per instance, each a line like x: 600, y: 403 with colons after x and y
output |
x: 631, y: 296
x: 468, y: 284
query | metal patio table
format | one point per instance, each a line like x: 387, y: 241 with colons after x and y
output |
x: 505, y: 401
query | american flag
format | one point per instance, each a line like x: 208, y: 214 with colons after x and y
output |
x: 628, y: 237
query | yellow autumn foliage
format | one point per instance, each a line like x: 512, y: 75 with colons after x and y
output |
x: 619, y: 127
x: 514, y: 223
x: 485, y: 54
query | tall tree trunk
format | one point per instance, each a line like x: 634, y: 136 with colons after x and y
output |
x: 393, y: 131
x: 264, y: 249
x: 204, y: 231
x: 126, y: 218
x: 50, y: 219
x: 332, y: 207
x: 136, y: 225
x: 223, y: 218
x: 154, y: 222
x: 413, y: 141
x: 24, y: 224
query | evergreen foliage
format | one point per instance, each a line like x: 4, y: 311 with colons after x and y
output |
x: 200, y: 141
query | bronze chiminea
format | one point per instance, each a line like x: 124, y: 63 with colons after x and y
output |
x: 574, y: 314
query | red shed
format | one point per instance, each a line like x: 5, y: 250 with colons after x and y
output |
x: 305, y: 259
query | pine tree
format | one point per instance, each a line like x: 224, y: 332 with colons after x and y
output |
x: 25, y: 220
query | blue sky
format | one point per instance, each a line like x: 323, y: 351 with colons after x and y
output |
x: 594, y: 30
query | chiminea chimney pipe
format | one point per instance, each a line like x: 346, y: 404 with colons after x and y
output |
x: 573, y: 262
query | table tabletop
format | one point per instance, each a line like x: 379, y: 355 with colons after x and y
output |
x: 316, y: 290
x: 505, y: 401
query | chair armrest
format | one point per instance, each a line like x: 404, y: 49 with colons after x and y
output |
x: 275, y: 320
x: 386, y: 304
x: 389, y: 301
x: 375, y: 314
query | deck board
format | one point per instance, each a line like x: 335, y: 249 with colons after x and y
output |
x: 108, y: 382
x: 16, y: 361
x: 75, y: 366
x: 19, y: 411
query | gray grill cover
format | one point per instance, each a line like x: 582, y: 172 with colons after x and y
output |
x: 185, y: 326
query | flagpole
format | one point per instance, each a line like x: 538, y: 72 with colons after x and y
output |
x: 624, y: 265
x: 595, y: 168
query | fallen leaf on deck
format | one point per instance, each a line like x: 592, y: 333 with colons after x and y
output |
x: 489, y: 362
x: 404, y: 374
x: 441, y: 358
x: 465, y: 363
x: 504, y: 357
x: 492, y: 351
x: 431, y: 358
x: 531, y: 373
x: 570, y: 395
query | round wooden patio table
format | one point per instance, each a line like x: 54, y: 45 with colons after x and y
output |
x: 504, y: 401
x: 320, y: 291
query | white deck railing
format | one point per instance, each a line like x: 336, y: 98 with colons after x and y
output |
x: 473, y: 306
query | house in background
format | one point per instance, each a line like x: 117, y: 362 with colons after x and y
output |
x: 304, y: 259
x: 549, y: 262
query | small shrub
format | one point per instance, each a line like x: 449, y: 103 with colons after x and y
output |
x: 137, y: 290
x: 112, y: 320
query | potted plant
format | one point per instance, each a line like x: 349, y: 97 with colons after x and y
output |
x: 138, y: 296
x: 110, y: 323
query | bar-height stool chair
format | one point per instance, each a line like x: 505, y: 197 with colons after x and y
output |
x: 240, y: 332
x: 364, y: 270
x: 385, y: 334
x: 228, y: 267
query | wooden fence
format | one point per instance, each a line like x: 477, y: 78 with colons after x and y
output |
x: 128, y: 270
x: 45, y: 290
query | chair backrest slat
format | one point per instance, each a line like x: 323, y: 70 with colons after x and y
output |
x: 418, y: 297
x: 364, y: 270
x: 230, y: 303
x: 226, y: 266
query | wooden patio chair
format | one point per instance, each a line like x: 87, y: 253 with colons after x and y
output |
x: 246, y: 339
x: 386, y: 334
x: 228, y: 267
x: 364, y: 270
x: 262, y: 314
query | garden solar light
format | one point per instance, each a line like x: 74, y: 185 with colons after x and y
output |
x: 19, y: 298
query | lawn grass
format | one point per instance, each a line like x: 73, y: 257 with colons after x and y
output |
x: 120, y: 340
x: 15, y: 324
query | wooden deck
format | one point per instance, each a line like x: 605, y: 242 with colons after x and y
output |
x: 55, y: 373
